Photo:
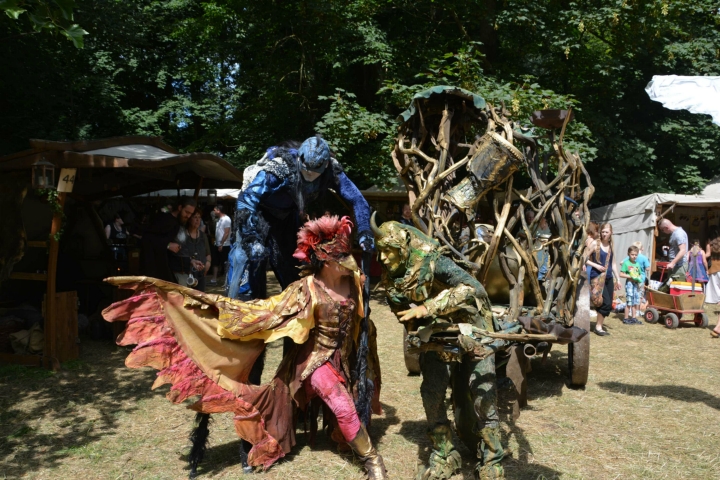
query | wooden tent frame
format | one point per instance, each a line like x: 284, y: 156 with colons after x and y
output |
x: 154, y: 175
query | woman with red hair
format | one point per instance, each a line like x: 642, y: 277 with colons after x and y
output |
x: 205, y: 345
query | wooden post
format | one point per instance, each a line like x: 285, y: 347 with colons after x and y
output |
x: 50, y: 298
x: 197, y: 190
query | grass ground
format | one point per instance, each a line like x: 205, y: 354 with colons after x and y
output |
x: 649, y: 411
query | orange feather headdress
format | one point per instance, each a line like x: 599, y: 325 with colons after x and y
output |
x: 327, y: 236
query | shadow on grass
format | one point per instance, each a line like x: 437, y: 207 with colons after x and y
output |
x: 546, y: 380
x: 673, y: 392
x: 219, y: 457
x: 521, y: 465
x: 77, y: 406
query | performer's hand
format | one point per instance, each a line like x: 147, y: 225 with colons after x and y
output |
x: 220, y: 247
x: 255, y: 251
x: 173, y: 247
x: 415, y: 312
x: 367, y: 242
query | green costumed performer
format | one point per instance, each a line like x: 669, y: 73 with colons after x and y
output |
x: 427, y: 289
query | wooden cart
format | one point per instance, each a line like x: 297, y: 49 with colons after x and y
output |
x: 674, y: 307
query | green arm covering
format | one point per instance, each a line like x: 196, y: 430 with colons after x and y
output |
x: 464, y: 289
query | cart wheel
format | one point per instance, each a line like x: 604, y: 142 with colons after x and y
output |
x: 412, y: 360
x: 652, y: 315
x: 701, y: 320
x: 579, y: 352
x: 671, y: 320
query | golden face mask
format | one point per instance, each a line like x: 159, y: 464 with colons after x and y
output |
x: 390, y: 257
x: 349, y: 263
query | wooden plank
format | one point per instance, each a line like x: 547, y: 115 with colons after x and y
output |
x: 197, y: 189
x: 67, y: 327
x: 39, y: 277
x: 14, y: 359
x: 37, y: 244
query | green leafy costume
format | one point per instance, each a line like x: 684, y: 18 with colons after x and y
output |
x: 451, y: 295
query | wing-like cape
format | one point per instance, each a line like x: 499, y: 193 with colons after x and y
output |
x: 179, y: 331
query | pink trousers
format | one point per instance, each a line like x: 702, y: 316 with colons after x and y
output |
x: 327, y: 384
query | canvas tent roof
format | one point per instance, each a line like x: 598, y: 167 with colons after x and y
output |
x: 127, y: 165
x: 634, y: 220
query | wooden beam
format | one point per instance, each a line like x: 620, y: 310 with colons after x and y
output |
x: 37, y: 244
x: 40, y: 277
x: 50, y: 298
x: 14, y: 359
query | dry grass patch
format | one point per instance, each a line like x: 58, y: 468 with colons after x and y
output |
x: 649, y: 411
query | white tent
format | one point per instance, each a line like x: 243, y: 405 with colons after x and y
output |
x: 634, y: 220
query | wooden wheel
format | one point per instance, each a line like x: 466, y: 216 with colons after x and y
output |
x: 579, y: 352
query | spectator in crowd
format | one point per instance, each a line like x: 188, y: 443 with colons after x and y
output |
x: 406, y: 215
x: 117, y: 236
x: 592, y: 236
x: 222, y: 241
x: 677, y: 252
x: 598, y: 261
x: 712, y: 291
x: 697, y: 264
x: 644, y: 262
x: 194, y: 254
x: 631, y: 270
x: 116, y: 230
x: 158, y: 238
x: 543, y: 229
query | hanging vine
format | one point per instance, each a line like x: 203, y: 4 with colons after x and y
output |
x: 51, y: 197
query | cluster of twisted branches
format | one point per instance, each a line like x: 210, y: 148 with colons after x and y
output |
x: 434, y: 154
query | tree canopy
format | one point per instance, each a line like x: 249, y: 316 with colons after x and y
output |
x: 235, y: 76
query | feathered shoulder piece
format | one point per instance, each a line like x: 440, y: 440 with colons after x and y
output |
x: 327, y: 236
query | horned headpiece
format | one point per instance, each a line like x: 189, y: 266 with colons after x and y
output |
x: 403, y: 237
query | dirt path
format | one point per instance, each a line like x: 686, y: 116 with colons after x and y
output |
x: 649, y: 411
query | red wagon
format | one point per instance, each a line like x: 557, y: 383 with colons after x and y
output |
x: 674, y: 307
x: 676, y: 303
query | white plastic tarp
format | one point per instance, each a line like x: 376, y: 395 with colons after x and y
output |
x: 142, y: 152
x: 694, y: 94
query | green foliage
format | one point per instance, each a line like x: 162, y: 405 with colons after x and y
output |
x: 351, y: 128
x: 51, y: 196
x: 51, y: 16
x: 605, y: 53
x: 232, y: 77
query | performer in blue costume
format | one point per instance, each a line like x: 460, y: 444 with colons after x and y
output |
x: 268, y: 217
x: 269, y: 207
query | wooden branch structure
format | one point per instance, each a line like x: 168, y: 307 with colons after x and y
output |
x: 455, y: 150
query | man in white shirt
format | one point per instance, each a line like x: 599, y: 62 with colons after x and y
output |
x: 222, y: 242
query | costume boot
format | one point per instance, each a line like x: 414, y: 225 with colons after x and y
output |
x: 363, y: 447
x: 491, y: 452
x: 444, y: 459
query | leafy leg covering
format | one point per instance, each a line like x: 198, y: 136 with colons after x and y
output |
x: 179, y: 338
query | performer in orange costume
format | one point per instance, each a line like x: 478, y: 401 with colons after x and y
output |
x: 205, y: 345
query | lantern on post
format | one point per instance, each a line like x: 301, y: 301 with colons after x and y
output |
x: 43, y: 174
x: 212, y: 196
